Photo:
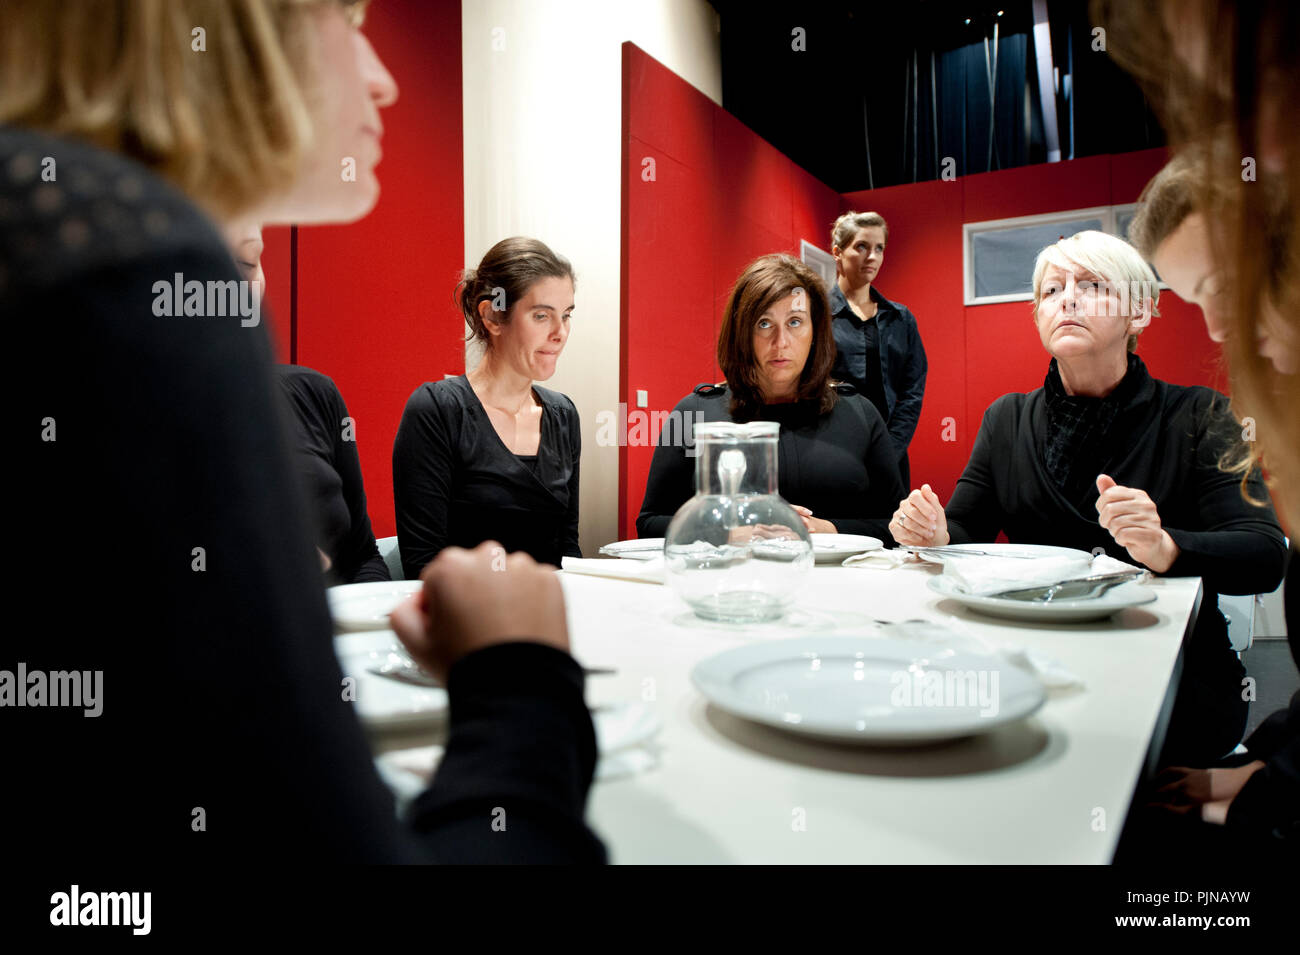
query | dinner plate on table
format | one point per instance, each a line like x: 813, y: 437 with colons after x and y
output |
x: 975, y: 551
x: 382, y: 702
x: 868, y: 690
x: 834, y: 548
x: 1132, y: 594
x: 367, y: 606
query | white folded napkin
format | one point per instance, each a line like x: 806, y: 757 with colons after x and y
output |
x: 880, y: 559
x: 991, y: 575
x: 648, y: 571
x: 624, y: 739
x: 1052, y: 673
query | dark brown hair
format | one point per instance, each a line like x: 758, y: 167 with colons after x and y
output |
x: 765, y: 282
x: 504, y: 276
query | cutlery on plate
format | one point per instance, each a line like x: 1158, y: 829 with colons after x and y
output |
x: 408, y: 671
x: 1078, y: 588
x: 962, y: 552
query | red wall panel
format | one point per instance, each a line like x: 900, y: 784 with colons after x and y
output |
x: 1030, y: 190
x: 667, y: 341
x: 375, y: 309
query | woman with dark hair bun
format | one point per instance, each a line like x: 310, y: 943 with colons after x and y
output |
x: 488, y: 455
x: 836, y: 464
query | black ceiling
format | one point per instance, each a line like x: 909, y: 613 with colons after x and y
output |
x: 866, y: 69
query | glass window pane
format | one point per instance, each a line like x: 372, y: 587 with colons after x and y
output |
x: 1003, y: 259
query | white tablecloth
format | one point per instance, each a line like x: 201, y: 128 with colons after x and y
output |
x: 1052, y: 788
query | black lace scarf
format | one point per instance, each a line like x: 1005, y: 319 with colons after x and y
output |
x: 1077, y: 426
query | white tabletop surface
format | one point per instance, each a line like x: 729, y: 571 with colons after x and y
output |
x: 1052, y: 788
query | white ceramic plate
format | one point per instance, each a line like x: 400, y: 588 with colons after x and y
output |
x: 367, y: 606
x: 382, y: 702
x: 868, y: 690
x: 644, y: 548
x: 833, y: 548
x: 1132, y: 594
x: 1004, y: 550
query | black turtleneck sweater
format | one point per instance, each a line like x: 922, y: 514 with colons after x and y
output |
x: 1167, y: 440
x: 840, y: 465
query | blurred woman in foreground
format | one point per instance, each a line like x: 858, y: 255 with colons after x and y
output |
x: 1222, y: 76
x: 161, y: 456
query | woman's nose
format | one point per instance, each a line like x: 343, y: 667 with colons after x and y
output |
x: 1216, y: 324
x: 379, y: 82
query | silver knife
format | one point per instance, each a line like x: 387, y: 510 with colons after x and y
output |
x: 1073, y: 589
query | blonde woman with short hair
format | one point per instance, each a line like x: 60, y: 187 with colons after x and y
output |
x: 1106, y: 456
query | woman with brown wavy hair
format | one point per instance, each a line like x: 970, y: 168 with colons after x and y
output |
x: 836, y: 463
x: 1222, y: 75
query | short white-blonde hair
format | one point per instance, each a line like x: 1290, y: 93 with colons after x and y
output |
x: 1116, y: 263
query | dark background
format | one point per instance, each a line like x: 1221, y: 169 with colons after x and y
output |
x: 884, y: 91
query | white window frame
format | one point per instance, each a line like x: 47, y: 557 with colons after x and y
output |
x: 968, y: 229
x: 1129, y: 207
x: 820, y: 260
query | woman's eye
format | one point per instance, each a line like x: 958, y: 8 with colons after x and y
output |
x: 795, y: 321
x: 1051, y: 290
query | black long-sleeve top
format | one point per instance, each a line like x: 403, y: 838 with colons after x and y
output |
x: 1268, y: 806
x: 329, y: 468
x: 883, y: 357
x: 1168, y: 441
x: 840, y: 465
x: 152, y: 467
x: 456, y: 484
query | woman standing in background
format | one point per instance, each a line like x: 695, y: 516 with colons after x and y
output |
x: 878, y: 341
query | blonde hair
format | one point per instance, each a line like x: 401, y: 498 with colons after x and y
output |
x: 229, y: 124
x: 851, y: 223
x: 1113, y: 261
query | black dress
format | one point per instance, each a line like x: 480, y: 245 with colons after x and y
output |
x: 165, y: 545
x: 1167, y: 440
x: 840, y: 465
x: 329, y: 468
x: 456, y: 484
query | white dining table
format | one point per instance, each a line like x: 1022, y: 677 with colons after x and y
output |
x: 1054, y: 787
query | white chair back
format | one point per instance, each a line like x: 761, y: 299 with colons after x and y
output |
x: 392, y: 557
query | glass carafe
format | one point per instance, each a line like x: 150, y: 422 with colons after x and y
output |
x: 736, y: 551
